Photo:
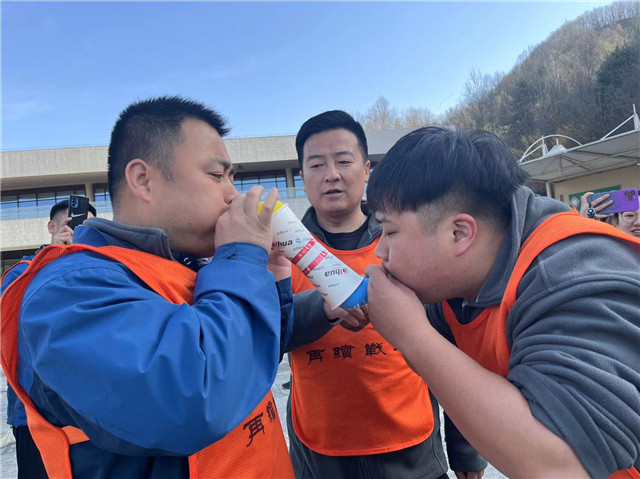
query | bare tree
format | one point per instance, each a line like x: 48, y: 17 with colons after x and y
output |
x: 578, y: 82
x: 379, y: 117
x: 416, y: 117
x: 382, y: 117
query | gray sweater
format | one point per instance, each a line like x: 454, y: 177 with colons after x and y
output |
x: 574, y: 334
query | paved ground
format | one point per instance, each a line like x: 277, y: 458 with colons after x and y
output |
x: 7, y: 444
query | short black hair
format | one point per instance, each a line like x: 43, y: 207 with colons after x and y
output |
x: 64, y: 205
x: 150, y: 130
x: 331, y: 120
x: 472, y: 172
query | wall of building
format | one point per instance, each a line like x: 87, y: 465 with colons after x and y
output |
x: 54, y: 161
x: 625, y: 177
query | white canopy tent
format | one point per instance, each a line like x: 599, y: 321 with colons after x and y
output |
x: 608, y: 153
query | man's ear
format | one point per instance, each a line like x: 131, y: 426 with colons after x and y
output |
x: 51, y: 226
x: 302, y: 178
x: 138, y: 175
x: 367, y: 170
x: 465, y: 231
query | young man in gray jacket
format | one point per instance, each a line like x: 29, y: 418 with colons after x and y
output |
x: 542, y: 304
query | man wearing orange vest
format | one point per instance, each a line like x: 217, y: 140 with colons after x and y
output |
x: 542, y: 304
x: 355, y: 410
x: 136, y: 358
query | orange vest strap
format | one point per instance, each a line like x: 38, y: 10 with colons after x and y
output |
x: 626, y: 474
x: 74, y: 434
x: 555, y: 228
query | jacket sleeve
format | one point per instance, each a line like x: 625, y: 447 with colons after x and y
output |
x: 575, y: 334
x: 134, y: 370
x: 285, y: 297
x: 309, y: 321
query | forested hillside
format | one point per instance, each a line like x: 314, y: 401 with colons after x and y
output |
x: 581, y: 82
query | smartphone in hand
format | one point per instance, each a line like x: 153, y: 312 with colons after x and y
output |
x: 623, y: 200
x: 78, y: 210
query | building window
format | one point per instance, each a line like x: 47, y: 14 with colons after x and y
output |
x: 298, y: 184
x: 268, y: 180
x: 35, y: 204
x: 9, y: 203
x: 27, y: 200
x: 102, y: 197
x: 46, y: 199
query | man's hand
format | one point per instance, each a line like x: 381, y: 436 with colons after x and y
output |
x: 598, y: 205
x: 469, y: 475
x: 63, y: 234
x: 279, y: 265
x: 394, y: 310
x: 350, y: 319
x: 241, y: 223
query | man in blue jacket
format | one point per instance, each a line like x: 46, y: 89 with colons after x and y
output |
x: 148, y: 381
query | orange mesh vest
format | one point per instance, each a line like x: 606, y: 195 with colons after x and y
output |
x: 254, y: 449
x: 484, y: 338
x: 392, y: 409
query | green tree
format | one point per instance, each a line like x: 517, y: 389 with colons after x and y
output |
x: 619, y: 85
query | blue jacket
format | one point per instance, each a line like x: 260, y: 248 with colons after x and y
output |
x: 150, y: 382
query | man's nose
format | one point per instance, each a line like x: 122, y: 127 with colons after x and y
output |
x: 382, y: 249
x: 230, y: 192
x: 331, y: 173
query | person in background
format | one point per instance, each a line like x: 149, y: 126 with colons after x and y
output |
x: 627, y: 221
x: 28, y: 458
x: 542, y: 304
x: 391, y: 426
x: 58, y: 225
